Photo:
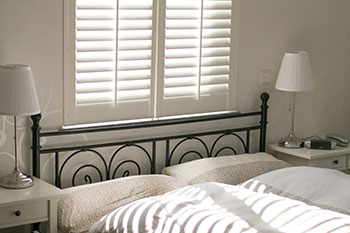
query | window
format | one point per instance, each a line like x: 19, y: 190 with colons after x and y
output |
x: 132, y: 59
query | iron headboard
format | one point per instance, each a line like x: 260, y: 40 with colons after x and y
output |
x: 109, y: 172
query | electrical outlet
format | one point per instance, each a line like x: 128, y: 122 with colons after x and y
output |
x: 265, y: 76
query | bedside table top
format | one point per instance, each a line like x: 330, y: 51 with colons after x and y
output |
x: 311, y: 154
x: 41, y: 190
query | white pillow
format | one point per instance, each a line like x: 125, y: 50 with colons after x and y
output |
x: 326, y: 188
x: 233, y: 169
x: 86, y: 204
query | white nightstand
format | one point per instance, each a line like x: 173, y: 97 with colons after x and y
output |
x: 31, y: 205
x: 336, y: 159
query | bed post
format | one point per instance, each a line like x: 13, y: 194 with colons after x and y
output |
x: 36, y: 144
x: 263, y: 122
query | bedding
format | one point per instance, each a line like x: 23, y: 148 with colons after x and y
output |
x: 326, y: 188
x: 85, y: 204
x: 218, y: 208
x: 233, y: 169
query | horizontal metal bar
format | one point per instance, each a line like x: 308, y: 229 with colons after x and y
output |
x: 155, y: 123
x: 74, y: 148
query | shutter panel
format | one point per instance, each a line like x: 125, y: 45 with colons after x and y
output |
x: 113, y: 60
x: 95, y: 51
x: 134, y: 50
x: 182, y: 48
x: 197, y: 56
x: 216, y: 42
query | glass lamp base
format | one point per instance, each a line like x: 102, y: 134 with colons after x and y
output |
x: 16, y: 180
x: 291, y: 142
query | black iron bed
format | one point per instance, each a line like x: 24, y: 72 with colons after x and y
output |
x: 243, y: 134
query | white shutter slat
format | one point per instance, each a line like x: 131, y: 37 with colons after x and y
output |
x: 218, y: 23
x: 94, y: 77
x: 95, y: 56
x: 93, y: 4
x: 181, y: 72
x: 212, y: 52
x: 181, y: 62
x: 135, y: 14
x: 135, y: 24
x: 182, y: 53
x: 215, y: 61
x: 135, y: 4
x: 99, y: 14
x: 94, y: 87
x: 86, y: 46
x: 217, y: 4
x: 214, y: 79
x: 134, y: 65
x: 95, y: 35
x: 95, y: 66
x: 134, y: 74
x: 133, y: 95
x: 96, y: 97
x: 135, y: 55
x: 134, y: 45
x: 90, y: 25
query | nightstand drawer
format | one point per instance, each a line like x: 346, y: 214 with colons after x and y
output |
x: 24, y: 212
x: 336, y: 162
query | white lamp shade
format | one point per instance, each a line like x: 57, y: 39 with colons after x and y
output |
x: 18, y: 95
x: 295, y: 73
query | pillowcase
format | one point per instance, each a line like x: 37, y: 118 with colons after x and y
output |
x: 322, y: 187
x: 233, y: 169
x: 85, y: 204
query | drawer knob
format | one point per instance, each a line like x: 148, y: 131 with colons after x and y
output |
x: 335, y: 162
x: 18, y: 213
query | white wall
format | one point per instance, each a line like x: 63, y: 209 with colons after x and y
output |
x: 31, y: 33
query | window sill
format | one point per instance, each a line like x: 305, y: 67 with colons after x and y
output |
x: 149, y: 122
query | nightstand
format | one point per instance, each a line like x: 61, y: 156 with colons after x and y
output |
x: 336, y: 159
x: 31, y: 205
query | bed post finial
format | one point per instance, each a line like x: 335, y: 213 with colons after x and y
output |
x: 36, y: 144
x: 263, y: 122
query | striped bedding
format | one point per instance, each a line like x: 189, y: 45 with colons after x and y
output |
x: 220, y: 208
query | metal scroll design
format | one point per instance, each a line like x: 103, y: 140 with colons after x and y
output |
x: 87, y: 178
x: 231, y: 148
x: 188, y: 152
x: 127, y: 172
x: 208, y: 153
x: 103, y: 173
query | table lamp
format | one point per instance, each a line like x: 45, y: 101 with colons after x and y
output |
x: 18, y: 97
x: 294, y: 76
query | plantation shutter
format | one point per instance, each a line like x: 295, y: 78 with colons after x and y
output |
x: 113, y: 60
x: 132, y: 59
x: 196, y: 57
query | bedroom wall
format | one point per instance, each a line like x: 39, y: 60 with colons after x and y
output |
x: 31, y: 33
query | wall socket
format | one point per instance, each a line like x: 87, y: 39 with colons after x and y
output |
x: 265, y: 77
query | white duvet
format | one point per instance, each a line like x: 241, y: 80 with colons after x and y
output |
x: 219, y: 208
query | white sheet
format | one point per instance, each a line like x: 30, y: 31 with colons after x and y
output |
x: 322, y: 187
x: 219, y: 208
